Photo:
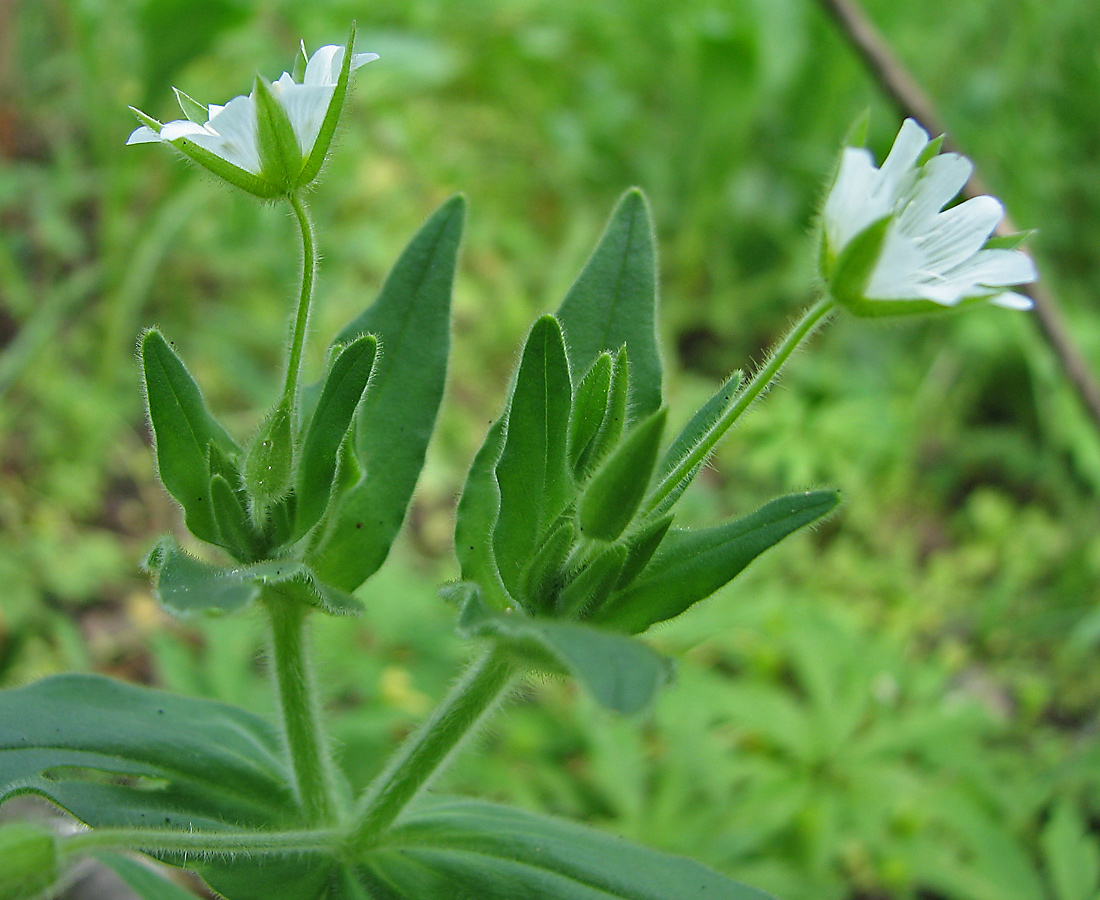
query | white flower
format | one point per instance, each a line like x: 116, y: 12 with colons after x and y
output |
x: 231, y: 142
x: 889, y: 246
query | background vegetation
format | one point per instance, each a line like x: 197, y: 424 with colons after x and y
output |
x: 901, y: 704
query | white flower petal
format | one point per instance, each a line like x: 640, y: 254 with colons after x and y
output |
x: 235, y: 137
x: 361, y: 59
x: 324, y: 66
x: 960, y: 232
x: 306, y: 106
x: 940, y: 181
x: 898, y: 170
x: 997, y: 268
x: 142, y: 135
x: 1012, y: 300
x: 848, y: 208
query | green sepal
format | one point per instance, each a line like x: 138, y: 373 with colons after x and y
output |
x: 268, y: 465
x: 187, y: 586
x: 589, y: 408
x: 621, y: 673
x: 311, y: 166
x: 851, y: 270
x: 247, y: 181
x: 301, y: 58
x: 411, y: 320
x: 235, y: 529
x: 183, y: 430
x: 590, y: 588
x: 192, y: 109
x: 931, y: 150
x: 614, y: 418
x: 690, y: 565
x: 147, y: 120
x: 640, y: 548
x: 332, y: 418
x: 686, y: 455
x: 280, y: 156
x: 476, y: 518
x: 1008, y: 241
x: 614, y: 493
x: 614, y: 302
x: 534, y: 479
x: 546, y: 573
x: 28, y: 860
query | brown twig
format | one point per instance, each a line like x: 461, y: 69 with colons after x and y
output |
x: 911, y: 100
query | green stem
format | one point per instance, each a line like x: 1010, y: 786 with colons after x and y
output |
x: 427, y: 749
x: 301, y: 318
x: 298, y: 698
x: 764, y: 376
x: 199, y: 842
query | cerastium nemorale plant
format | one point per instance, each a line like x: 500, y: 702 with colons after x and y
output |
x: 566, y: 536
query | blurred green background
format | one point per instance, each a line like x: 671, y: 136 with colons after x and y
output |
x: 900, y: 704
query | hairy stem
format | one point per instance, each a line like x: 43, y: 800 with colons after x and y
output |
x: 298, y: 698
x: 228, y: 843
x: 301, y: 318
x: 764, y: 376
x: 427, y: 749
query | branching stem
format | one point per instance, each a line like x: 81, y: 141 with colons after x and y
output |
x: 242, y: 843
x: 427, y: 749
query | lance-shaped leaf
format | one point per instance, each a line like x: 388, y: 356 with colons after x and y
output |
x: 589, y: 408
x: 620, y: 672
x: 614, y: 419
x: 641, y: 545
x: 535, y: 483
x: 182, y: 429
x: 411, y: 320
x: 343, y: 390
x: 614, y: 302
x: 117, y: 755
x: 187, y: 586
x: 448, y: 848
x: 96, y: 747
x: 593, y: 585
x: 476, y: 518
x: 686, y: 455
x: 613, y: 495
x: 545, y: 576
x: 144, y: 881
x: 235, y: 529
x: 692, y: 564
x: 269, y: 463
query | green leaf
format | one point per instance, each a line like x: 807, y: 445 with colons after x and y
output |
x: 546, y: 573
x: 444, y: 849
x: 613, y: 495
x: 411, y: 320
x: 182, y: 430
x: 476, y: 517
x: 142, y: 880
x: 317, y: 153
x: 620, y: 672
x: 343, y: 390
x: 114, y: 754
x: 269, y: 463
x: 614, y: 419
x: 28, y: 860
x: 640, y: 548
x: 590, y: 589
x: 234, y: 526
x: 696, y: 440
x: 589, y: 408
x: 535, y: 483
x: 614, y: 302
x: 280, y: 156
x: 187, y: 586
x: 690, y: 565
x: 1070, y: 854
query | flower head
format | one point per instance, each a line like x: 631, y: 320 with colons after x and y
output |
x: 273, y: 140
x: 889, y: 247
